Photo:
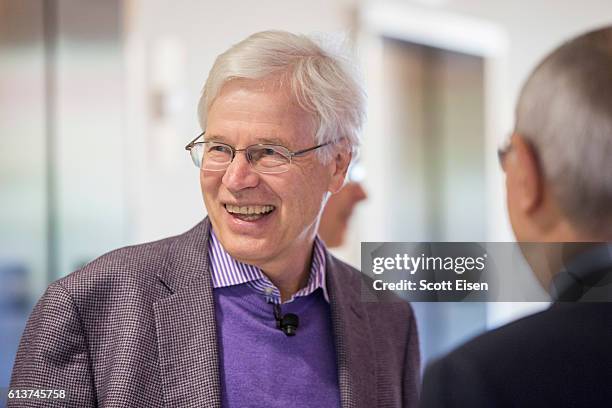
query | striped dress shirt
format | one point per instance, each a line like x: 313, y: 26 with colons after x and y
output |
x: 226, y: 271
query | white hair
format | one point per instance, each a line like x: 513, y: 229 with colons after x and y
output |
x: 323, y: 82
x: 565, y: 112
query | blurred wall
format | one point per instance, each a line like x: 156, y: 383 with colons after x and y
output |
x: 534, y: 27
x: 61, y: 146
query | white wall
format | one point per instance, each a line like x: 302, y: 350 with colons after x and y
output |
x: 534, y: 27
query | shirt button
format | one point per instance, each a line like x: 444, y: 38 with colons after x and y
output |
x: 268, y: 291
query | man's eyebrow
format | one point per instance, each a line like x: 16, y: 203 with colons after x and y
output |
x: 270, y: 140
x: 257, y: 140
x: 213, y: 138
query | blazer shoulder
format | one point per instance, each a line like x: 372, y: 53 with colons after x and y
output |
x: 518, y: 340
x: 548, y: 348
x: 132, y: 268
x: 512, y: 345
x: 470, y: 374
x: 126, y: 263
x: 485, y: 351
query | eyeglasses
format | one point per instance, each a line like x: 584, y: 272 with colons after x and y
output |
x: 264, y: 158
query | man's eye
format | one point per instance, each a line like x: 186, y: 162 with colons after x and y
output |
x: 268, y: 152
x: 218, y: 149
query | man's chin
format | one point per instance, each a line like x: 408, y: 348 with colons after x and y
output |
x: 246, y: 249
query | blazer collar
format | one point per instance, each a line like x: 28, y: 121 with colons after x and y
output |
x: 587, y: 277
x: 352, y: 335
x: 187, y: 258
x: 185, y: 324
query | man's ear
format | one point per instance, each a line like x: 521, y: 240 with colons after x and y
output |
x: 339, y: 166
x: 528, y: 176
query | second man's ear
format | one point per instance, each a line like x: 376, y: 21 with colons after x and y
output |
x: 529, y: 180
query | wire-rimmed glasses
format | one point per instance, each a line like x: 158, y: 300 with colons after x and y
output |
x: 265, y: 158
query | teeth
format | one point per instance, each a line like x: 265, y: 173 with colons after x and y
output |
x: 249, y: 209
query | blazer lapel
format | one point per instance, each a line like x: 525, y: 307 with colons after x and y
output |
x: 185, y: 324
x: 353, y: 340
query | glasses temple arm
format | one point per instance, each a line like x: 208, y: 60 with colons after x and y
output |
x: 190, y: 144
x: 310, y: 149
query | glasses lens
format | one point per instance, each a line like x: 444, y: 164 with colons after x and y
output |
x: 269, y: 159
x: 216, y: 156
x: 196, y: 154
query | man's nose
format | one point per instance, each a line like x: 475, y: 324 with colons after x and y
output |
x: 240, y: 174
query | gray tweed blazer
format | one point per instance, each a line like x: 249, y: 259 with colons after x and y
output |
x: 136, y: 328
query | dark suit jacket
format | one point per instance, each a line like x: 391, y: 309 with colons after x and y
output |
x: 557, y: 358
x: 136, y: 328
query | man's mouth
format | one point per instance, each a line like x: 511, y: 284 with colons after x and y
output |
x: 249, y: 212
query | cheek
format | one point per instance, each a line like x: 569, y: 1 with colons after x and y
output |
x: 210, y: 187
x: 301, y: 200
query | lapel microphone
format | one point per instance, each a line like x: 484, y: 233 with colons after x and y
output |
x: 287, y: 323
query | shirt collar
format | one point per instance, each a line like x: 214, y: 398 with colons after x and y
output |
x: 582, y: 273
x: 227, y: 271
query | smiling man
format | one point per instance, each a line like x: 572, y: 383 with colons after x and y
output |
x: 248, y: 308
x: 264, y: 204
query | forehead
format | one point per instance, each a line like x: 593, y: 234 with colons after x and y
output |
x: 258, y: 112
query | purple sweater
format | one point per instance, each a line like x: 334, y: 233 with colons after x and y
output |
x: 262, y: 367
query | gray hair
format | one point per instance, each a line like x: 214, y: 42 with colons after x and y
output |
x: 565, y: 113
x: 323, y: 82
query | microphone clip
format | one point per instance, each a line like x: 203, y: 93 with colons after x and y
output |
x: 287, y: 323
